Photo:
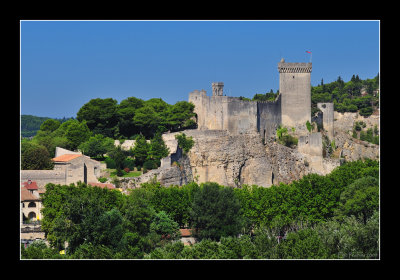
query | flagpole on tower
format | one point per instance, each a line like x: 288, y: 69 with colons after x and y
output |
x: 310, y: 55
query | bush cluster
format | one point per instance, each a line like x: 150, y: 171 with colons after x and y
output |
x: 332, y: 216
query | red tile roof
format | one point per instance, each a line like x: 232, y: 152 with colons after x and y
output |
x: 185, y: 232
x: 102, y: 185
x: 26, y: 195
x: 30, y: 185
x: 66, y: 157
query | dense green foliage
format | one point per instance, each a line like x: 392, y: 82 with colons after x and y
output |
x: 284, y: 138
x: 369, y: 135
x: 346, y: 96
x: 134, y: 116
x: 31, y: 124
x: 269, y: 96
x: 332, y: 216
x: 34, y: 157
x: 184, y: 142
x: 215, y: 212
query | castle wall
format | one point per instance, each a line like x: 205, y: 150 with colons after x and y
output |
x: 311, y: 144
x: 269, y: 117
x: 241, y: 116
x: 327, y: 117
x: 43, y: 177
x: 235, y: 115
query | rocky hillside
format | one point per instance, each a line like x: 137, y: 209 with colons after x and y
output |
x: 233, y: 160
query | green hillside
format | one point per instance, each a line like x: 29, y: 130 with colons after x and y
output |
x: 31, y: 124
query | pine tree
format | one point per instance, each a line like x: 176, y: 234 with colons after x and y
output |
x: 140, y: 150
x: 157, y: 148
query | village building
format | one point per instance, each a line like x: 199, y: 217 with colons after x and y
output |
x: 31, y: 215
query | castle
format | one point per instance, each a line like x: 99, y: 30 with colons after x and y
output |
x: 291, y: 108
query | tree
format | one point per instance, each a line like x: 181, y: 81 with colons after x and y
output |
x: 178, y: 115
x: 140, y: 150
x: 215, y: 212
x: 163, y: 225
x: 77, y: 133
x: 72, y: 213
x: 96, y: 146
x: 125, y: 113
x: 119, y: 157
x: 157, y: 148
x: 185, y: 143
x: 35, y: 157
x: 100, y: 116
x: 108, y: 230
x: 304, y: 244
x: 147, y: 120
x: 50, y: 125
x: 361, y: 199
x: 137, y: 212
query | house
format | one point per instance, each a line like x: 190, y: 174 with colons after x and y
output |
x: 186, y: 236
x: 30, y: 201
x: 31, y: 205
x: 69, y: 167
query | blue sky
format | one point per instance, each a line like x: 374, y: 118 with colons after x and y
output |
x: 65, y: 64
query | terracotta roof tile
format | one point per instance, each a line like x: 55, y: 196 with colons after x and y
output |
x: 102, y: 185
x: 26, y: 195
x: 30, y: 185
x: 185, y: 232
x: 66, y: 157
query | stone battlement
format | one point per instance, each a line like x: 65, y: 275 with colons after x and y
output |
x: 288, y: 67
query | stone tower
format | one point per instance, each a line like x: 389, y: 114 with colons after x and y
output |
x: 295, y: 90
x: 217, y: 89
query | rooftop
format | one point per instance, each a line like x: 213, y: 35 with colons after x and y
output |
x: 185, y: 232
x: 30, y: 185
x: 66, y: 157
x: 102, y: 185
x: 26, y: 195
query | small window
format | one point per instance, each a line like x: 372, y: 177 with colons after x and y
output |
x: 32, y: 204
x: 32, y: 216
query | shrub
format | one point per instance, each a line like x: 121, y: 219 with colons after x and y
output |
x: 185, y: 143
x: 289, y: 140
x: 150, y: 164
x: 366, y: 111
x: 129, y: 163
x: 110, y: 163
x: 126, y: 169
x: 102, y: 179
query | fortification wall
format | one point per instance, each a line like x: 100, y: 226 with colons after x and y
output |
x: 311, y: 144
x: 327, y: 117
x: 241, y: 116
x: 43, y: 177
x: 199, y: 99
x: 269, y: 117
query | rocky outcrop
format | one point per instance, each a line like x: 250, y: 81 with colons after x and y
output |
x: 230, y: 160
x: 350, y: 148
x: 237, y: 159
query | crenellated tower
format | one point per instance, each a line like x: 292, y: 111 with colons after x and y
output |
x: 295, y: 90
x: 217, y: 89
